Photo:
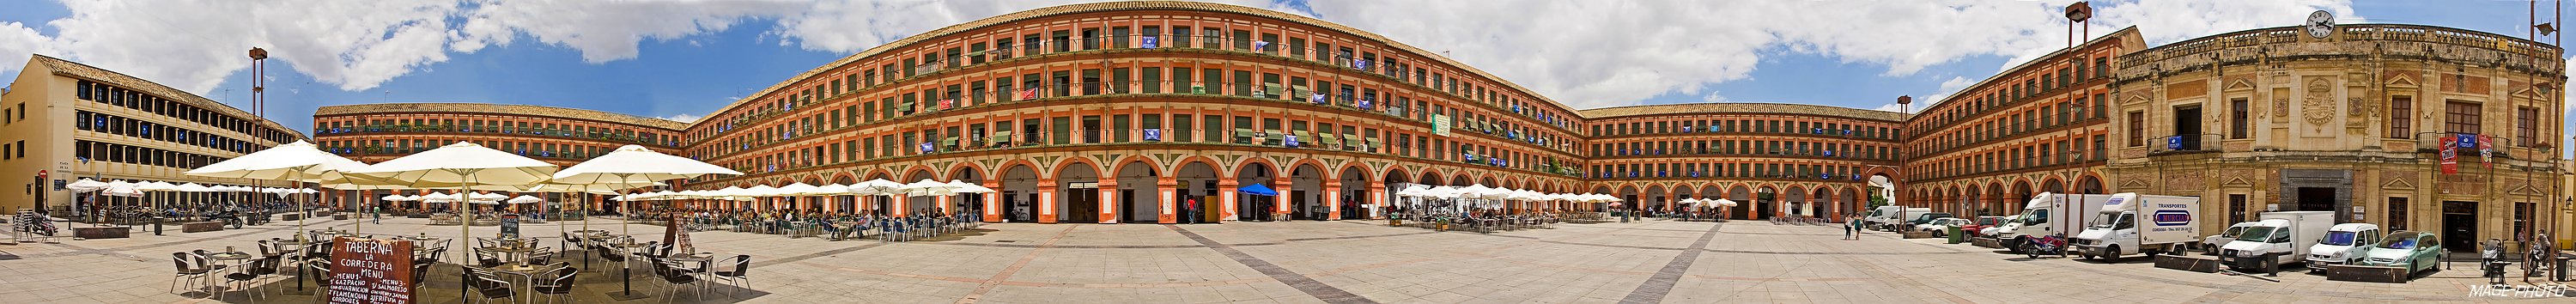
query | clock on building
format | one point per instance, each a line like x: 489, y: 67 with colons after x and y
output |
x: 2320, y: 24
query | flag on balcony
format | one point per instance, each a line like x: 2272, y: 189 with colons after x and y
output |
x: 1153, y: 134
x: 1365, y: 102
x: 1290, y: 141
x: 2450, y: 154
x: 1359, y: 64
x: 1029, y: 93
x: 1317, y: 99
x: 926, y: 147
x: 945, y: 104
x: 1149, y: 41
x: 2486, y: 150
x: 1258, y: 45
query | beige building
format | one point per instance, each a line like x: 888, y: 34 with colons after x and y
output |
x: 2348, y: 119
x: 66, y: 121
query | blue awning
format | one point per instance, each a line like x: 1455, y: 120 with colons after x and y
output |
x: 1257, y: 189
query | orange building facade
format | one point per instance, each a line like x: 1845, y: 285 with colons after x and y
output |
x: 374, y: 133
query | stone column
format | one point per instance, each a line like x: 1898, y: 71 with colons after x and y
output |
x: 1108, y: 199
x: 1377, y: 200
x: 993, y: 200
x: 1046, y: 201
x: 1333, y: 199
x: 1225, y: 193
x: 1168, y: 208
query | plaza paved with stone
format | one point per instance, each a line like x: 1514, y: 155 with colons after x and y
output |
x: 1296, y: 262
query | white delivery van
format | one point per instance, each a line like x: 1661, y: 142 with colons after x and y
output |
x: 2137, y: 223
x: 2343, y: 244
x: 2282, y: 237
x: 2051, y: 214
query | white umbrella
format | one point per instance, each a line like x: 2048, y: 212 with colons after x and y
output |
x: 488, y: 196
x: 85, y: 185
x: 298, y: 161
x: 524, y: 199
x: 121, y: 188
x: 925, y: 187
x: 194, y: 187
x: 1725, y: 202
x: 399, y: 198
x: 875, y: 187
x: 834, y: 189
x: 632, y: 164
x: 438, y: 197
x: 156, y: 186
x: 966, y: 187
x: 461, y: 163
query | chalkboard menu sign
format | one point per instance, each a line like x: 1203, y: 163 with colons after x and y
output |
x: 365, y: 271
x: 509, y: 226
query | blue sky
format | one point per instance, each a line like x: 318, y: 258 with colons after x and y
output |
x: 674, y: 59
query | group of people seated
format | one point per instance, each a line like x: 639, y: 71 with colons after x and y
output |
x: 830, y: 225
x: 1478, y: 220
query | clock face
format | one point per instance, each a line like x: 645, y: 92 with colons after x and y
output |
x: 2320, y: 24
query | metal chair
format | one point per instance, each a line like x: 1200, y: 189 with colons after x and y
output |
x: 488, y: 285
x: 179, y: 261
x: 672, y: 279
x: 739, y: 277
x: 556, y: 283
x: 249, y: 274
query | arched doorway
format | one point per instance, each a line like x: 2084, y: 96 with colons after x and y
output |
x: 1355, y: 193
x: 1138, y: 195
x: 1306, y: 193
x: 1251, y: 207
x: 2022, y: 193
x: 1655, y: 202
x: 1430, y: 179
x: 1197, y: 186
x: 1629, y: 198
x: 1797, y: 201
x: 967, y: 203
x: 1078, y: 188
x: 1743, y: 198
x: 1996, y: 199
x: 1020, y: 194
x: 1853, y: 201
x: 1683, y: 192
x: 1767, y: 200
x: 1395, y: 181
x: 2089, y: 185
x: 2053, y: 186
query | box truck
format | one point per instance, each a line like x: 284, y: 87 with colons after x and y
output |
x: 2280, y: 237
x: 2051, y: 214
x: 2131, y: 223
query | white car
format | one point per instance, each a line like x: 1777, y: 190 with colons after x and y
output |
x: 1941, y: 225
x: 2211, y: 244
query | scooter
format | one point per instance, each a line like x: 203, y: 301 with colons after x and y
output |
x: 2051, y: 244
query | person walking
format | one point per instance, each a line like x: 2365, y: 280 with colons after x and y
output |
x: 1190, y: 211
x: 1851, y: 228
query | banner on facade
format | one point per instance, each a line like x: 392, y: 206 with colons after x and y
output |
x: 2486, y: 150
x: 1440, y: 124
x: 2450, y: 154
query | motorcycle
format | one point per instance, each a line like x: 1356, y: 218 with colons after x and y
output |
x: 2051, y: 244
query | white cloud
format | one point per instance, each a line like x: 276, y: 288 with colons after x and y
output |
x: 1713, y: 96
x: 1586, y: 53
x: 1610, y: 53
x: 17, y: 41
x: 1947, y: 87
x: 681, y: 118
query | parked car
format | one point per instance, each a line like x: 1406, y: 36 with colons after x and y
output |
x: 1939, y: 225
x: 2211, y: 244
x: 1974, y: 227
x: 2417, y: 251
x: 1919, y: 220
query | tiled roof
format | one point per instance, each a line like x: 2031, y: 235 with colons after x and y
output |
x: 1739, y: 107
x: 504, y: 109
x: 68, y: 68
x: 1119, y: 6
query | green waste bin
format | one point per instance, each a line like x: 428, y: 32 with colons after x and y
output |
x: 1955, y: 236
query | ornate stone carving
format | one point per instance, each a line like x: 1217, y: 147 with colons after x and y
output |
x: 2318, y: 107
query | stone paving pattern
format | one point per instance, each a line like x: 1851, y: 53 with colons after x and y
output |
x: 1296, y: 262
